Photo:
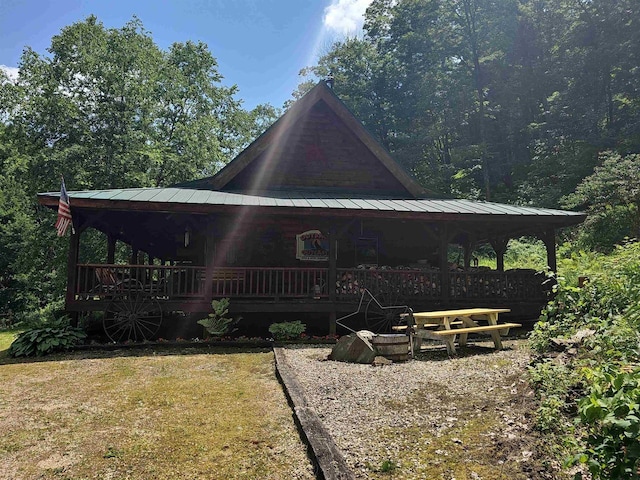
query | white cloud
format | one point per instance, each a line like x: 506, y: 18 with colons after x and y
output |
x: 11, y: 72
x: 345, y: 17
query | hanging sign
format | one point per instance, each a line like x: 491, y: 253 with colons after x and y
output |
x: 312, y: 246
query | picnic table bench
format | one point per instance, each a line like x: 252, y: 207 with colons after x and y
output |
x: 446, y: 325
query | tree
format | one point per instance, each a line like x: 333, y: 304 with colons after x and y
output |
x: 611, y: 196
x: 421, y: 80
x: 488, y: 99
x: 106, y: 108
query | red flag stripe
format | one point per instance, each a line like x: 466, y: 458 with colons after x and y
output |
x: 64, y: 212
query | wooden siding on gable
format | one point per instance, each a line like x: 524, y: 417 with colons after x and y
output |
x: 319, y: 153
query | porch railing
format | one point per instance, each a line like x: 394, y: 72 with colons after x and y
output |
x: 389, y: 285
x: 269, y: 282
x: 105, y: 281
x: 403, y: 285
x: 95, y: 282
x: 509, y: 285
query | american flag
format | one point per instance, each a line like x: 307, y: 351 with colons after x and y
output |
x: 64, y: 212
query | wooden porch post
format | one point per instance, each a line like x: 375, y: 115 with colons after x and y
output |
x: 209, y: 257
x: 549, y: 239
x: 72, y: 272
x: 468, y: 247
x: 332, y: 275
x: 500, y: 247
x: 444, y: 264
x: 111, y: 249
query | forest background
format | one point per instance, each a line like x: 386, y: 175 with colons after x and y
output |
x: 532, y: 102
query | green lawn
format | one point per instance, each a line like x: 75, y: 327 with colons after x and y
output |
x: 6, y: 338
x: 179, y: 415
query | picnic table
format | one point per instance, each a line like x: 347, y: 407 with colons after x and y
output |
x: 446, y: 325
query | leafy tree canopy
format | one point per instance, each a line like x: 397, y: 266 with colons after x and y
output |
x: 106, y: 108
x: 611, y: 196
x: 509, y: 101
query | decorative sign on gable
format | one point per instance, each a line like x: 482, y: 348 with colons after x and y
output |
x: 312, y: 246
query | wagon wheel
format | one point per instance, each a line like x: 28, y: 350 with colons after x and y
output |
x: 383, y: 312
x: 133, y: 318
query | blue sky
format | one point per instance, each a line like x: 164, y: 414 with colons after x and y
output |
x: 260, y: 45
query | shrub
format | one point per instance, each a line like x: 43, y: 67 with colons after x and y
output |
x: 603, y: 363
x: 217, y: 324
x: 287, y: 330
x: 603, y: 230
x: 549, y: 416
x: 569, y: 311
x: 51, y: 337
x: 521, y: 253
x: 602, y: 305
x: 42, y: 316
x: 553, y: 384
x: 611, y: 414
x: 526, y: 253
x: 574, y: 262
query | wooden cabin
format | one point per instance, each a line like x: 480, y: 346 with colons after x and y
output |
x: 305, y: 219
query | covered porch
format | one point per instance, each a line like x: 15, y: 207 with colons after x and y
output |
x: 180, y: 262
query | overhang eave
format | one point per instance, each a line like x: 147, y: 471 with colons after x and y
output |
x: 556, y: 221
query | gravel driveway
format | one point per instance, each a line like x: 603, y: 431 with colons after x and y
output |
x: 432, y: 417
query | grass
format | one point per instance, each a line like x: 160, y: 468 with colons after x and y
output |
x: 6, y: 339
x: 459, y: 452
x: 172, y: 416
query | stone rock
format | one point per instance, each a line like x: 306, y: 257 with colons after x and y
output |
x: 380, y: 361
x: 568, y: 344
x: 354, y: 348
x: 580, y: 335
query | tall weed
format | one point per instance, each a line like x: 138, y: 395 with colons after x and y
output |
x: 602, y: 361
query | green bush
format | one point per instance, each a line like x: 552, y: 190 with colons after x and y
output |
x: 217, y: 324
x: 603, y: 363
x: 553, y: 384
x: 52, y: 337
x: 605, y: 304
x: 603, y: 230
x: 526, y: 253
x: 549, y: 416
x: 611, y: 414
x: 569, y: 311
x: 42, y: 316
x: 521, y: 253
x: 287, y: 330
x: 575, y: 262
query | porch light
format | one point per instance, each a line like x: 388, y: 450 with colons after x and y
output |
x: 187, y: 236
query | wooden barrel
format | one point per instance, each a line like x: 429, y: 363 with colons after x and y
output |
x: 392, y: 346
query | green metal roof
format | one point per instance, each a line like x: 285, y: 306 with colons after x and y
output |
x: 172, y: 196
